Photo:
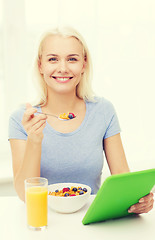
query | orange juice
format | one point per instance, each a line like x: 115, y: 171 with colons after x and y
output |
x: 36, y: 200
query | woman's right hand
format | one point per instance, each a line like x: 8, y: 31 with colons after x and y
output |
x: 34, y: 124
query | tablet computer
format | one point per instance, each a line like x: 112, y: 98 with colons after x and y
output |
x: 117, y: 193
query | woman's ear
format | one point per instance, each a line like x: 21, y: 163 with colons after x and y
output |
x: 39, y: 65
x: 84, y: 65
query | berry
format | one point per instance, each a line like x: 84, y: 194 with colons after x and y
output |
x: 81, y: 192
x: 65, y: 190
x: 66, y: 194
x: 79, y: 188
x: 72, y: 195
x: 85, y: 189
x: 57, y: 190
x: 70, y: 116
x: 74, y: 189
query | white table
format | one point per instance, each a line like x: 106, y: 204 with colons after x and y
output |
x: 69, y: 226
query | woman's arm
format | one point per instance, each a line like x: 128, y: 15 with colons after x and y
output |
x: 26, y: 155
x: 117, y: 163
x: 115, y: 155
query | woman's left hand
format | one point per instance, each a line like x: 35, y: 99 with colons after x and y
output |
x: 144, y: 206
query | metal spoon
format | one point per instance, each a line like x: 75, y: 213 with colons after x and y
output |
x: 56, y: 116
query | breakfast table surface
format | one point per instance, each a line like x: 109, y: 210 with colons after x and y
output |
x: 13, y: 224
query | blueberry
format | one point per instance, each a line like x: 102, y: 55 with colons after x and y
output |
x: 57, y: 190
x: 74, y: 189
x: 79, y: 188
x: 70, y: 116
x: 85, y: 189
x: 81, y: 192
x: 66, y: 194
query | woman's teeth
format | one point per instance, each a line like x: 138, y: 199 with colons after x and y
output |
x: 62, y: 79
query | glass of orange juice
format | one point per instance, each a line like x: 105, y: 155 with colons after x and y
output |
x: 36, y: 196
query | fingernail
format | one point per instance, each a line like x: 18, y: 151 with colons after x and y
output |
x: 141, y: 200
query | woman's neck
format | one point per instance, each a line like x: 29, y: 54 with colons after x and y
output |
x: 62, y: 103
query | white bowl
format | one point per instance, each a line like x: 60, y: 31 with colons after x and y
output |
x: 67, y: 204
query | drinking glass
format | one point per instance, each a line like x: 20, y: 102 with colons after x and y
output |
x: 36, y: 196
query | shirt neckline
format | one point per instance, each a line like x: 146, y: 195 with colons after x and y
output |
x: 51, y: 129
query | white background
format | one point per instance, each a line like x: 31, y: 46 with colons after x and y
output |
x: 121, y: 38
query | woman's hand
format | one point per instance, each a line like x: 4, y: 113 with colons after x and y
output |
x: 144, y: 206
x: 34, y: 125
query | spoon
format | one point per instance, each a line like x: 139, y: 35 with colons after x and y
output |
x: 56, y: 116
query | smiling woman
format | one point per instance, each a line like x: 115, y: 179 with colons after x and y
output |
x: 74, y: 53
x: 71, y: 58
x: 67, y: 151
x: 62, y: 68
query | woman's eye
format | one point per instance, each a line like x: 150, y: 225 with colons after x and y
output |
x: 52, y: 59
x: 72, y: 59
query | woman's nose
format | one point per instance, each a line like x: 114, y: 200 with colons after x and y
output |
x: 62, y: 67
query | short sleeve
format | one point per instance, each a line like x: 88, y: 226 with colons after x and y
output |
x: 112, y: 122
x: 16, y: 129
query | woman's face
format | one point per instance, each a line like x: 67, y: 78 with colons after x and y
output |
x: 62, y: 63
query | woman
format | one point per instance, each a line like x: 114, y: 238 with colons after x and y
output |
x: 67, y: 151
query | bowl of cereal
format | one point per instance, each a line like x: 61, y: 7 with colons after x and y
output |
x: 68, y: 197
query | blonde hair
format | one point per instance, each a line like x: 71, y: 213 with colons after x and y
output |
x: 84, y: 89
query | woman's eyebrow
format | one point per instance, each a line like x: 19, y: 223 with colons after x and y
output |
x: 70, y: 55
x: 52, y: 54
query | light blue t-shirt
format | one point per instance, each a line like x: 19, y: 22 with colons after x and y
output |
x: 76, y: 156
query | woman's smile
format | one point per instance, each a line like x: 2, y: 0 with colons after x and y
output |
x: 62, y: 79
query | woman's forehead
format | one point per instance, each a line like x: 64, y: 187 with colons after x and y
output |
x: 60, y: 45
